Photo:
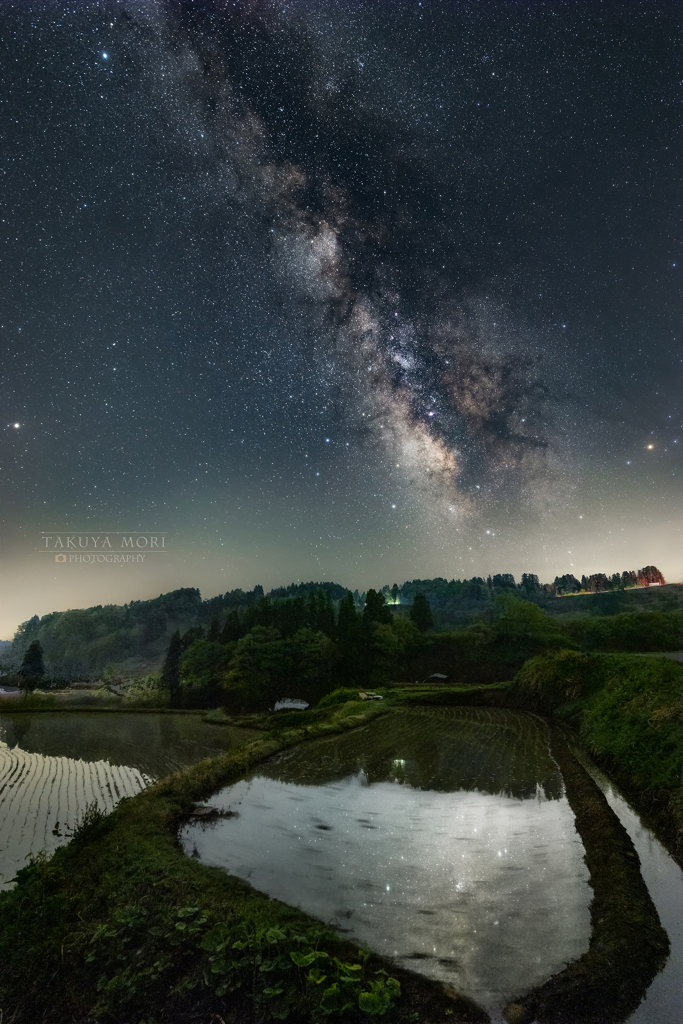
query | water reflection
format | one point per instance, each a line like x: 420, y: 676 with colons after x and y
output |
x: 441, y: 839
x: 663, y: 1002
x: 53, y: 765
x: 155, y: 744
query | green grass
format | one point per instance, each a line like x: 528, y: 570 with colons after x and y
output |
x: 629, y: 712
x: 121, y: 926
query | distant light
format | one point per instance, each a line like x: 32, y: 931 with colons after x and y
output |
x: 16, y: 426
x: 105, y: 56
x: 650, y: 446
x: 393, y: 506
x: 327, y: 439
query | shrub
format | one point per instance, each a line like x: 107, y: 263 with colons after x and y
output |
x: 147, y: 692
x: 341, y: 695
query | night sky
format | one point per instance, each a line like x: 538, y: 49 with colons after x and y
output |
x: 340, y: 291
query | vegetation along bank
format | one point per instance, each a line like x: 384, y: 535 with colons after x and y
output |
x: 120, y: 926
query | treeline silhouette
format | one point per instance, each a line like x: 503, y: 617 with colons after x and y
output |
x: 299, y: 647
x: 111, y: 641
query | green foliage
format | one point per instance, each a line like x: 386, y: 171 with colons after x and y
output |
x: 261, y: 665
x: 521, y: 630
x: 253, y: 672
x: 136, y: 926
x: 147, y: 692
x: 170, y: 673
x: 232, y: 628
x: 89, y: 823
x: 421, y: 613
x: 341, y: 695
x: 628, y: 708
x: 493, y: 651
x: 380, y: 997
x: 81, y: 642
x: 32, y: 668
x: 627, y: 631
x: 37, y: 700
x: 334, y: 590
x: 217, y: 716
x: 391, y: 646
x: 203, y: 668
x: 376, y: 610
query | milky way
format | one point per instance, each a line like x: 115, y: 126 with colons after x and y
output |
x: 363, y: 232
x: 340, y: 290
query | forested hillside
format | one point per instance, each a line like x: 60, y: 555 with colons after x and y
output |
x: 130, y: 638
x: 133, y: 639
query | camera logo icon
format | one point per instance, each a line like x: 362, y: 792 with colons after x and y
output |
x: 60, y: 558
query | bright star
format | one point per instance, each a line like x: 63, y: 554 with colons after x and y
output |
x: 105, y: 56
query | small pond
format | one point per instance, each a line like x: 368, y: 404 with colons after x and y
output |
x: 52, y: 765
x: 441, y: 839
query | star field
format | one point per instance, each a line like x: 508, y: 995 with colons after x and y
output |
x: 341, y: 291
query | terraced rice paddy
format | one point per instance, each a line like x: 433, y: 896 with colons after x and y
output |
x: 53, y: 766
x: 42, y: 798
x: 440, y: 838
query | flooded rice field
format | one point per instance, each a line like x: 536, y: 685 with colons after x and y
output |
x: 52, y: 766
x: 663, y: 1002
x: 441, y: 839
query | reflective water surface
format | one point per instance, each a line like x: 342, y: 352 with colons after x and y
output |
x: 663, y: 1002
x: 439, y: 838
x: 53, y: 765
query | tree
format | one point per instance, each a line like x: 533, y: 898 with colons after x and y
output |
x: 314, y: 658
x: 232, y: 630
x: 597, y: 583
x: 203, y: 669
x: 421, y: 613
x: 650, y: 576
x: 520, y: 630
x: 376, y: 609
x: 567, y: 584
x: 530, y: 583
x: 349, y: 639
x: 347, y: 621
x: 320, y: 613
x: 192, y: 634
x: 395, y: 591
x: 214, y: 631
x: 390, y: 648
x: 170, y: 673
x: 260, y: 669
x: 32, y: 667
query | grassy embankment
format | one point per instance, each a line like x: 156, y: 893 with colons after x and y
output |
x: 121, y: 926
x: 628, y: 710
